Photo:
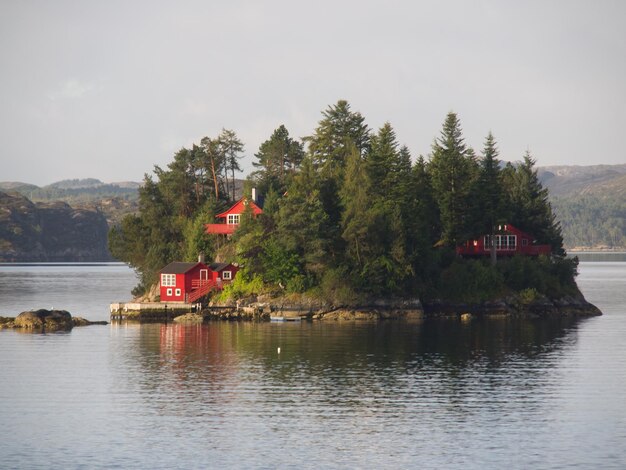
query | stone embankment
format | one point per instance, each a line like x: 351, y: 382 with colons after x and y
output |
x: 529, y: 304
x: 46, y: 320
x: 540, y: 306
x: 534, y: 305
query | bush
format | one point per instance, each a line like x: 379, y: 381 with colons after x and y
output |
x: 243, y: 285
x: 528, y: 296
x: 471, y: 281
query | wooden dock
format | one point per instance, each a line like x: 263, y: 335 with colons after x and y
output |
x: 151, y: 311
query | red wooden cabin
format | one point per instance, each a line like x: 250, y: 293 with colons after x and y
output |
x: 180, y: 281
x: 223, y: 273
x: 230, y: 219
x: 509, y: 241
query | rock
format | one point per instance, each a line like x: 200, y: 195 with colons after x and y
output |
x: 7, y: 322
x: 79, y: 321
x: 44, y: 320
x: 189, y: 318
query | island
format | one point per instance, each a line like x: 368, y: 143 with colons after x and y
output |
x: 347, y: 224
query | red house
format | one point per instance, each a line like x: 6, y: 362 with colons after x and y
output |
x: 230, y: 219
x: 180, y: 281
x: 223, y: 273
x: 509, y: 241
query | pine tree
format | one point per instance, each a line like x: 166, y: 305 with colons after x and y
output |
x: 453, y: 169
x: 529, y: 205
x: 278, y: 158
x: 382, y: 160
x: 489, y: 194
x: 329, y: 146
x: 303, y: 223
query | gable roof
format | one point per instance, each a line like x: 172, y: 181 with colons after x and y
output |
x: 180, y: 268
x: 219, y: 266
x: 239, y: 207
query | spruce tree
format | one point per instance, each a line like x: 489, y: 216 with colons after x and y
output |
x: 330, y: 145
x: 529, y: 205
x: 490, y: 209
x: 452, y: 170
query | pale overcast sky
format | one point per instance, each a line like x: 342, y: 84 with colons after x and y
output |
x: 107, y: 89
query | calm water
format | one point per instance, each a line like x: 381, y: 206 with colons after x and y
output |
x: 435, y: 394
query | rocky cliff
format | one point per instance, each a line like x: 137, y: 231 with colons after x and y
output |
x: 47, y: 232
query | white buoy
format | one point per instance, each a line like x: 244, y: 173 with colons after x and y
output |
x: 278, y: 350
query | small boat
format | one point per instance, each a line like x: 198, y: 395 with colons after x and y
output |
x: 285, y: 318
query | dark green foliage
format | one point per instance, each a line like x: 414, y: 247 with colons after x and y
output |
x: 453, y: 170
x: 279, y: 157
x: 528, y: 204
x: 174, y: 208
x: 470, y: 281
x: 353, y: 218
x: 337, y: 132
x: 551, y: 276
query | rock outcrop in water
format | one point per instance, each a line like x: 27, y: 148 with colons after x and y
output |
x: 46, y: 320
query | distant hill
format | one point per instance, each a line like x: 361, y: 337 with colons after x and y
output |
x: 113, y: 199
x: 50, y: 231
x: 564, y: 181
x: 590, y: 202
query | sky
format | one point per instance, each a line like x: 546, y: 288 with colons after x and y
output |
x: 108, y: 89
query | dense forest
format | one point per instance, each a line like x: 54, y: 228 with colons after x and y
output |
x: 349, y: 215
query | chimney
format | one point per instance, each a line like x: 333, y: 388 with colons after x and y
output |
x: 201, y: 258
x: 254, y: 194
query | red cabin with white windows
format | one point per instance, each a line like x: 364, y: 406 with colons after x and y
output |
x: 230, y: 219
x: 509, y: 240
x: 179, y: 281
x: 223, y: 273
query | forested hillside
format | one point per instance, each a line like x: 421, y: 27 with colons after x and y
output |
x: 590, y: 202
x: 348, y: 216
x: 50, y: 231
x: 114, y: 200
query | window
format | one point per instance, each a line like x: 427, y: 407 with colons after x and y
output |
x: 169, y: 291
x: 524, y: 241
x: 178, y: 292
x: 168, y: 280
x: 227, y: 275
x: 503, y: 242
x: 233, y: 219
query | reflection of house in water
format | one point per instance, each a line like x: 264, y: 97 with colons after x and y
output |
x: 199, y: 354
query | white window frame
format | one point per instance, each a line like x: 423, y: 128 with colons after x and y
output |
x: 168, y: 280
x: 503, y: 242
x: 169, y: 291
x: 177, y: 292
x: 227, y: 275
x: 233, y: 219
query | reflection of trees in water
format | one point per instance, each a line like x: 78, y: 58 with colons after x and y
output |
x: 345, y: 365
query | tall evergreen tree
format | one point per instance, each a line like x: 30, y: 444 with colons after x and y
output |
x: 329, y: 146
x: 529, y: 205
x: 453, y: 169
x: 489, y: 193
x: 303, y: 223
x: 278, y: 158
x: 382, y: 160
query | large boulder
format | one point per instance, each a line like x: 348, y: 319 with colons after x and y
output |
x: 43, y: 319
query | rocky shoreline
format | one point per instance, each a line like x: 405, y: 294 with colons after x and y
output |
x: 255, y: 309
x: 43, y: 320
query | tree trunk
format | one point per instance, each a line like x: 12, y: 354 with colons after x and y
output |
x: 492, y: 248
